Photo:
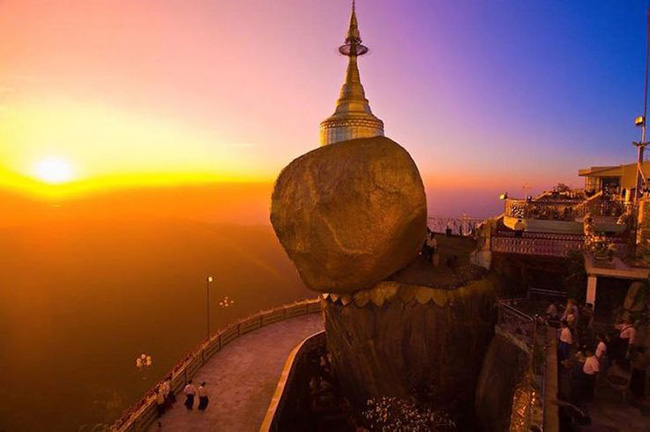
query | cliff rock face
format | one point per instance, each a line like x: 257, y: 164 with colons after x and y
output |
x: 350, y: 214
x: 412, y: 341
x: 504, y: 370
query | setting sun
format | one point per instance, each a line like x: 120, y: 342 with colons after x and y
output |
x: 54, y: 170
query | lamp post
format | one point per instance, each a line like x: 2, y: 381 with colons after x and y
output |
x: 640, y: 121
x: 208, y: 280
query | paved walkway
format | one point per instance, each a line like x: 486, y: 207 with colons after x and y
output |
x: 241, y: 379
x: 610, y: 413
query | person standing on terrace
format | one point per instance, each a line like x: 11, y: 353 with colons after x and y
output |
x: 570, y: 315
x: 625, y: 339
x: 566, y: 340
x: 589, y: 370
x: 190, y: 392
x: 160, y: 400
x: 170, y: 398
x: 519, y: 228
x: 601, y: 349
x: 203, y: 397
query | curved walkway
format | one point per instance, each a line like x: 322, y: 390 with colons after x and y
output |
x: 241, y: 379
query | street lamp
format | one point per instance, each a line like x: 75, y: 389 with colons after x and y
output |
x: 143, y: 362
x: 208, y: 280
x: 226, y: 302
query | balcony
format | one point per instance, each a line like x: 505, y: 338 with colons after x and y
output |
x: 565, y: 215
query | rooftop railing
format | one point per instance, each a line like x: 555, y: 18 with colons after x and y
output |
x: 567, y: 210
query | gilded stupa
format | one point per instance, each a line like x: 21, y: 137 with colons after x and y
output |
x: 353, y: 117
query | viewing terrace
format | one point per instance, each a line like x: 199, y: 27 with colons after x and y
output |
x: 241, y: 366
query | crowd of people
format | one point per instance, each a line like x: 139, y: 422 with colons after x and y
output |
x: 165, y: 397
x: 588, y: 355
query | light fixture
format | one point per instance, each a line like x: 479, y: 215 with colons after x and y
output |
x: 210, y: 278
x: 503, y: 196
x: 639, y: 121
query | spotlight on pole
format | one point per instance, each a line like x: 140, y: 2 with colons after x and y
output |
x: 639, y: 121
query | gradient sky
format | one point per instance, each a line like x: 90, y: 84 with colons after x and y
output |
x: 489, y: 95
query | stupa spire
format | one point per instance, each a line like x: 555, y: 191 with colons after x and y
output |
x: 353, y: 31
x: 353, y: 117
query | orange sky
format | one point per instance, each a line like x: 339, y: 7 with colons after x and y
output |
x: 140, y: 93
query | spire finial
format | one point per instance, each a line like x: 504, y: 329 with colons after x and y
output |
x: 353, y: 46
x: 353, y: 30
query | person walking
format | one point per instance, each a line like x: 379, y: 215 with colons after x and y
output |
x: 203, y: 397
x: 167, y: 391
x: 160, y: 400
x: 190, y: 392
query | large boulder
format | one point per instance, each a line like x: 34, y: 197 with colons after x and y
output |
x: 350, y: 214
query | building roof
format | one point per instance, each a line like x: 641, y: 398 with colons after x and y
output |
x: 602, y: 171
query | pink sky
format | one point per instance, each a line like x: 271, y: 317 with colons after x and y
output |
x: 222, y: 90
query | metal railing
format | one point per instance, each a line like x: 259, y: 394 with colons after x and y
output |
x: 143, y: 413
x: 463, y: 225
x: 516, y: 322
x: 515, y: 318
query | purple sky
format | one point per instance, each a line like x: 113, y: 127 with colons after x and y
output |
x: 487, y: 96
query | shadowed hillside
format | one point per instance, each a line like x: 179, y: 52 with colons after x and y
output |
x: 81, y: 297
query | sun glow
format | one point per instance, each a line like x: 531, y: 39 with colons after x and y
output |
x: 54, y: 170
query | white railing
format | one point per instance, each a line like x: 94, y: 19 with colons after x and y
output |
x: 463, y: 225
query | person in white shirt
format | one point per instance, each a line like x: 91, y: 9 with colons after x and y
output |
x: 190, y: 392
x: 589, y: 371
x: 591, y: 367
x: 566, y: 340
x: 203, y: 397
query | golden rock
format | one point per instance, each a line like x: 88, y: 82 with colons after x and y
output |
x: 350, y: 214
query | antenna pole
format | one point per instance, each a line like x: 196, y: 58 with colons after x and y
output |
x: 640, y: 178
